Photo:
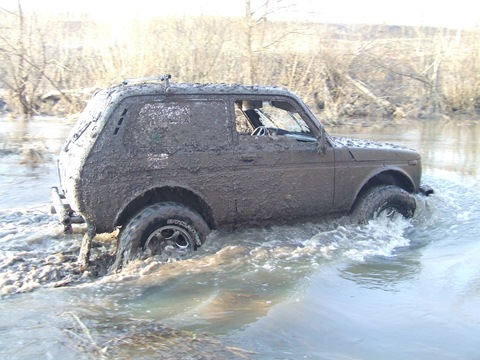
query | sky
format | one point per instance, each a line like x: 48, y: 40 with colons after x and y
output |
x: 447, y: 13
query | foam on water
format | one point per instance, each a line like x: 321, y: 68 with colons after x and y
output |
x: 33, y: 248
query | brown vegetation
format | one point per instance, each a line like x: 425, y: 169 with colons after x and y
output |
x: 52, y: 64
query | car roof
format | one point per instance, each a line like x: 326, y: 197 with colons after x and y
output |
x: 128, y: 88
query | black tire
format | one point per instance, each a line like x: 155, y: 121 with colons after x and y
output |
x: 167, y: 229
x: 389, y: 200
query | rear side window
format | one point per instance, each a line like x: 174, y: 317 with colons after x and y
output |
x: 88, y: 125
x: 166, y: 127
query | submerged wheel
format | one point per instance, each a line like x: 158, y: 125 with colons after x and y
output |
x: 169, y: 230
x: 389, y: 201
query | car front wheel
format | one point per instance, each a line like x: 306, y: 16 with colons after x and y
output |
x: 388, y: 201
x: 168, y: 230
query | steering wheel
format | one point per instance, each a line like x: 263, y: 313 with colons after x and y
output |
x: 260, y: 131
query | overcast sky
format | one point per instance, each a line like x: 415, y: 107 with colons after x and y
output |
x: 451, y: 13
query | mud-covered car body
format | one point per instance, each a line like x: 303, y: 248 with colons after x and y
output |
x: 236, y: 155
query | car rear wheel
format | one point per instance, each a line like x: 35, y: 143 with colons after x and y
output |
x: 390, y: 201
x: 168, y: 230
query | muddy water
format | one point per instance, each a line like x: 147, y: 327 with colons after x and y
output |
x: 328, y: 290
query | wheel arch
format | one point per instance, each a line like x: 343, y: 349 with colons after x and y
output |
x: 176, y: 194
x: 387, y: 177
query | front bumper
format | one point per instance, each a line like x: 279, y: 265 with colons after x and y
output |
x: 66, y: 215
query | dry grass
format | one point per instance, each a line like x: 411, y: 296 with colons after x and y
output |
x: 341, y: 71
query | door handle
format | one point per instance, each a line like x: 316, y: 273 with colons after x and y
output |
x: 247, y: 158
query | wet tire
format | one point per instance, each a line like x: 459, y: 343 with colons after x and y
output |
x: 384, y: 200
x: 169, y: 230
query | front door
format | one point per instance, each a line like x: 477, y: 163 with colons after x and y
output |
x: 280, y: 174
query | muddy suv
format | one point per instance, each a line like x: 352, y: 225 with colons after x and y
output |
x: 167, y: 163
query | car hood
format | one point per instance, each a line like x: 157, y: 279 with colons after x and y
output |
x: 367, y: 150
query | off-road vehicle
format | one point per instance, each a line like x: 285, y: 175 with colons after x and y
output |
x: 167, y: 163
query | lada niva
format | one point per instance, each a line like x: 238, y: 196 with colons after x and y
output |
x: 166, y: 163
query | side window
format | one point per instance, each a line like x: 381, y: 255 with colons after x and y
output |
x: 274, y: 118
x: 169, y: 126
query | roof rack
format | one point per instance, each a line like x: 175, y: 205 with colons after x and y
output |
x: 162, y: 78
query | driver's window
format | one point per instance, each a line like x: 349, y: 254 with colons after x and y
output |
x: 282, y: 116
x: 270, y: 117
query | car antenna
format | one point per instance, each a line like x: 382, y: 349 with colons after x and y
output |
x: 166, y: 79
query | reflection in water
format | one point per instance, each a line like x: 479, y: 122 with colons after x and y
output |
x: 27, y: 160
x: 453, y: 147
x: 382, y: 274
x: 445, y: 146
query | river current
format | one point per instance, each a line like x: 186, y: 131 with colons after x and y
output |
x: 327, y: 290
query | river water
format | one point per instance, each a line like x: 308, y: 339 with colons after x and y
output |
x: 328, y: 290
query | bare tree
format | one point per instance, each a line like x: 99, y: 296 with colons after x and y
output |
x: 257, y: 37
x: 26, y: 62
x: 342, y: 70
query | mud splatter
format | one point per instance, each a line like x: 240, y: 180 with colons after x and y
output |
x: 34, y: 253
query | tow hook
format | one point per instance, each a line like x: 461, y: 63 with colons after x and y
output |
x: 425, y: 190
x: 65, y: 214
